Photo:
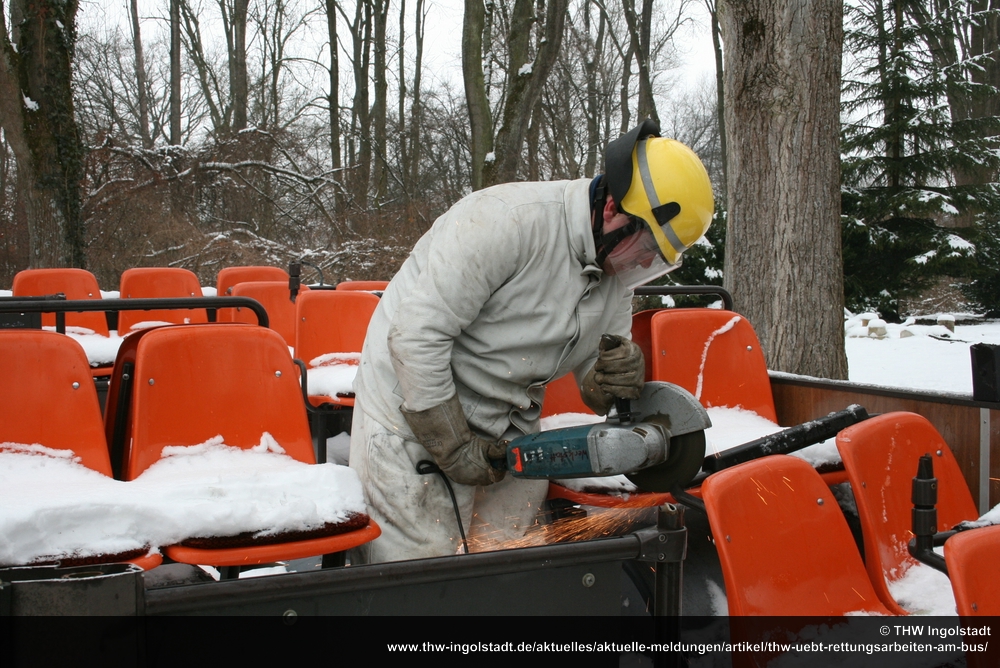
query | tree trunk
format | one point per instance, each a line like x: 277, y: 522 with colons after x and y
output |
x: 591, y: 64
x: 720, y: 97
x: 238, y: 91
x: 175, y: 72
x: 140, y: 77
x: 334, y: 98
x: 783, y: 252
x: 36, y: 112
x: 415, y: 110
x: 971, y: 90
x: 639, y: 30
x: 525, y: 81
x: 480, y: 118
x: 380, y: 106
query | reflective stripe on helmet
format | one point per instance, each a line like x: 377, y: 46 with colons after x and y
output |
x: 664, y: 233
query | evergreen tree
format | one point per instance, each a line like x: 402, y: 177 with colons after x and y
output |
x: 901, y: 150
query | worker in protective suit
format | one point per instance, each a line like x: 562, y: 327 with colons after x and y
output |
x: 510, y: 289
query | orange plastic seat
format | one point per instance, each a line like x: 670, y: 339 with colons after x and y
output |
x: 880, y: 456
x: 332, y: 321
x: 783, y: 542
x: 230, y: 276
x: 370, y: 286
x: 972, y: 558
x: 714, y: 355
x: 236, y: 381
x: 276, y: 299
x: 49, y: 398
x: 147, y: 282
x: 74, y: 283
x: 563, y: 396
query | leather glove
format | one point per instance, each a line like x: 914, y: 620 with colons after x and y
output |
x: 620, y: 370
x: 461, y: 455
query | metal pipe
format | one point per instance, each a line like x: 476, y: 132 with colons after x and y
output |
x: 141, y: 304
x: 669, y: 586
x: 727, y: 299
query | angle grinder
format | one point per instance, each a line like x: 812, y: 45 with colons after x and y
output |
x: 657, y: 441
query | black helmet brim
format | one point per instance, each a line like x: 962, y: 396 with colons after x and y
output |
x: 618, y: 158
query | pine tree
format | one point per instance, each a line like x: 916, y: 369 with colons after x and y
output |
x: 901, y: 149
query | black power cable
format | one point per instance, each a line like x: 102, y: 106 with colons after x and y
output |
x: 425, y: 467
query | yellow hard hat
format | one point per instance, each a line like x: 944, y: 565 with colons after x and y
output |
x: 664, y: 183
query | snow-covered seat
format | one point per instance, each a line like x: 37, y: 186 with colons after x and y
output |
x: 881, y: 457
x: 330, y: 331
x: 153, y: 282
x: 74, y: 283
x: 50, y: 403
x: 785, y: 547
x: 194, y: 383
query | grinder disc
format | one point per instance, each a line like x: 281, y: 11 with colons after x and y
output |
x: 687, y: 452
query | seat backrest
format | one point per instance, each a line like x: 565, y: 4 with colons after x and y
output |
x: 230, y: 276
x: 332, y: 321
x: 563, y: 396
x: 149, y: 282
x: 783, y: 542
x: 370, y: 286
x: 881, y: 457
x: 74, y: 283
x: 49, y: 397
x: 276, y: 299
x: 193, y: 383
x: 642, y: 337
x: 714, y: 355
x: 972, y: 558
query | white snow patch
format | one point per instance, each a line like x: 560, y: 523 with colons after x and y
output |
x: 54, y: 507
x: 332, y: 374
x: 958, y: 243
x: 704, y: 353
x: 923, y: 590
x: 490, y: 157
x: 526, y: 68
x: 29, y: 104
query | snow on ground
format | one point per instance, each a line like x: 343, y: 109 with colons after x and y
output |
x: 53, y: 506
x: 919, y: 357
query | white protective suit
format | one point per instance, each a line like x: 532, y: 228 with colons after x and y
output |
x: 501, y: 296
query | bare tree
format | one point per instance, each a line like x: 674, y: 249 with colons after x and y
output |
x: 528, y: 67
x: 783, y: 254
x: 140, y: 77
x: 476, y: 98
x: 37, y: 115
x: 175, y: 72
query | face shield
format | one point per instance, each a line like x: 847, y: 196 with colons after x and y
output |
x: 636, y: 259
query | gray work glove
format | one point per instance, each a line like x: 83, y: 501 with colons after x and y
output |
x: 620, y: 369
x: 461, y: 455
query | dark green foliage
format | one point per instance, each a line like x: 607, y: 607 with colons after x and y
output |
x: 901, y: 151
x: 702, y: 265
x: 984, y: 289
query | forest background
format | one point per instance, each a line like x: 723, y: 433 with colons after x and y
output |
x: 210, y: 133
